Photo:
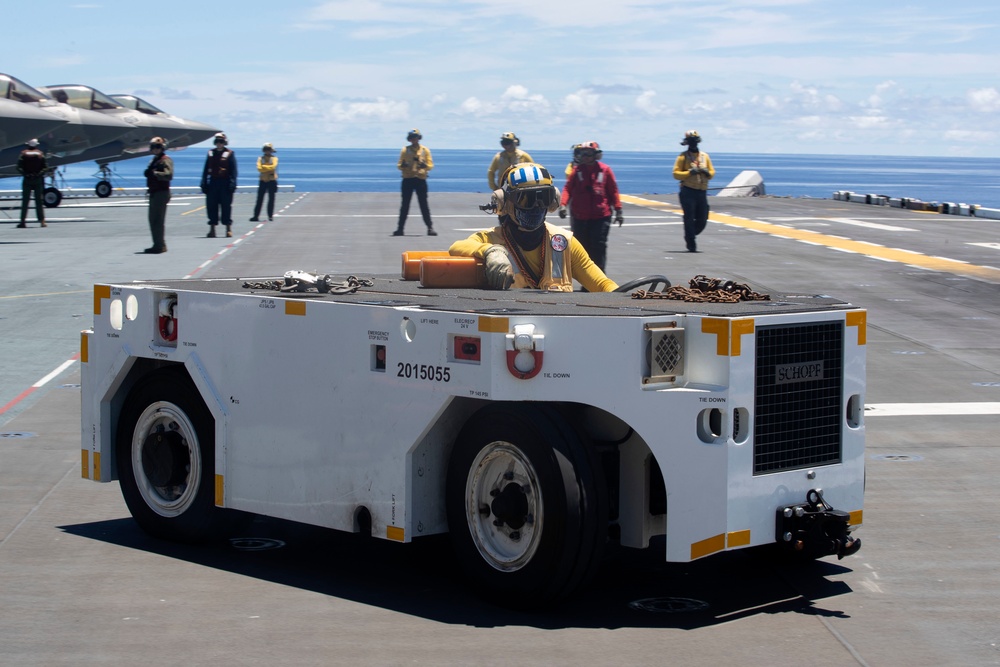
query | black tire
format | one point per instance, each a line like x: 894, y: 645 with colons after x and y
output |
x: 51, y: 197
x: 103, y: 189
x: 165, y: 451
x: 652, y: 281
x: 551, y: 538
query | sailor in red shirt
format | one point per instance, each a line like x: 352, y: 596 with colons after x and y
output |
x: 592, y: 193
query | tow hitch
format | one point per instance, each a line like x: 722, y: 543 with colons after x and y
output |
x: 815, y: 529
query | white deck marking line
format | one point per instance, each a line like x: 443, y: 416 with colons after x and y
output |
x: 931, y: 409
x: 41, y: 383
x: 872, y: 225
x: 991, y: 246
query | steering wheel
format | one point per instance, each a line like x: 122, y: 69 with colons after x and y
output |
x: 652, y: 281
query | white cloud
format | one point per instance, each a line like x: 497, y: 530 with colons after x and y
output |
x: 517, y: 99
x: 379, y: 109
x: 471, y: 105
x: 646, y: 103
x: 985, y: 100
x: 581, y: 103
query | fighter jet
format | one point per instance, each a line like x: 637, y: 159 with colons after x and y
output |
x: 102, y: 129
x: 22, y: 122
x: 81, y: 129
x: 144, y: 126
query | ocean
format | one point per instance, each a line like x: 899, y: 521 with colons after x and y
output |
x: 932, y: 179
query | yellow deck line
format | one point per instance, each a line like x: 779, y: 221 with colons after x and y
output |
x: 987, y: 273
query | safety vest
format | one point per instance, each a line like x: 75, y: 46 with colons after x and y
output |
x: 32, y: 162
x: 219, y: 164
x: 557, y: 263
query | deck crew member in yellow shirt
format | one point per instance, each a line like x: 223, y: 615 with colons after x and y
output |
x: 524, y: 250
x: 415, y: 162
x: 505, y: 159
x: 267, y: 165
x: 693, y: 168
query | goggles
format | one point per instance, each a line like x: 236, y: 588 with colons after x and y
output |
x: 587, y: 154
x: 529, y: 198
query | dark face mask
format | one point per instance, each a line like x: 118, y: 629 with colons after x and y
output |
x: 529, y: 219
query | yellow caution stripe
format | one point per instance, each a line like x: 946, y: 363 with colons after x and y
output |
x: 295, y: 308
x: 716, y: 543
x: 100, y: 292
x: 729, y: 333
x: 909, y: 257
x: 494, y: 324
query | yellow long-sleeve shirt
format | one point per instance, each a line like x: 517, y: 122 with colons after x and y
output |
x: 268, y: 168
x: 415, y: 162
x: 503, y: 161
x: 584, y: 270
x: 688, y: 160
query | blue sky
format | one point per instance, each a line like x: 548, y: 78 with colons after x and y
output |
x: 795, y: 76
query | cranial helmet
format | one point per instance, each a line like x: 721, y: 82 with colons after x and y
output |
x: 221, y: 136
x: 588, y: 146
x: 527, y: 194
x: 157, y: 141
x: 268, y: 147
x: 33, y: 143
x: 691, y: 138
x: 509, y: 136
x: 414, y: 133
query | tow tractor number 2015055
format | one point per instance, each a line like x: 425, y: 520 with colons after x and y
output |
x: 423, y: 372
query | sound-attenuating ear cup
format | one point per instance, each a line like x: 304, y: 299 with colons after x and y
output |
x: 555, y: 199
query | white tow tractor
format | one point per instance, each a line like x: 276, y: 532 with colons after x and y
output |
x: 534, y: 427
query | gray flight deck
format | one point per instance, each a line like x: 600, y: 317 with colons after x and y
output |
x: 80, y: 584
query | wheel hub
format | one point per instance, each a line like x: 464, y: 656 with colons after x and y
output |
x: 504, y: 506
x: 165, y: 459
x: 510, y: 506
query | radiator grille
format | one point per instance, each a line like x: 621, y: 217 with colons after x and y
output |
x: 799, y: 380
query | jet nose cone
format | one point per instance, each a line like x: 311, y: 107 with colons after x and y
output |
x: 196, y: 132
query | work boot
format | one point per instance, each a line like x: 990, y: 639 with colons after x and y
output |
x: 23, y: 225
x: 43, y: 224
x: 154, y: 250
x: 398, y: 232
x: 229, y: 232
x: 211, y: 232
x: 255, y: 219
x: 431, y: 232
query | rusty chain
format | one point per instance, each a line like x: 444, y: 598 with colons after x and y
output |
x: 704, y: 289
